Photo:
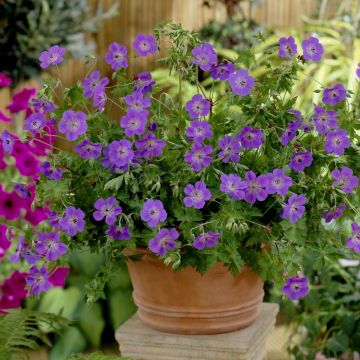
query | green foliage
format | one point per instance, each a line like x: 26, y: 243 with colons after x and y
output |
x: 95, y: 356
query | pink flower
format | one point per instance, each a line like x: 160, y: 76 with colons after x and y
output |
x: 4, y: 118
x: 10, y: 205
x: 58, y: 277
x: 4, y: 80
x: 20, y: 101
x: 4, y: 241
x: 28, y: 165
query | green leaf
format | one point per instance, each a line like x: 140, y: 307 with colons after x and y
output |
x: 338, y: 343
x: 92, y: 322
x: 122, y: 307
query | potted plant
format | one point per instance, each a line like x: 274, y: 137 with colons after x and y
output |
x: 202, y: 195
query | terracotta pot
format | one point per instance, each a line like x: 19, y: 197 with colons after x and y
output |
x: 186, y: 302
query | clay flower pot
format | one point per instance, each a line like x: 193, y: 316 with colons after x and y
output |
x: 186, y: 302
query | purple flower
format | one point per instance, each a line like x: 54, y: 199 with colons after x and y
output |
x: 100, y: 98
x: 312, y: 49
x: 336, y: 142
x: 230, y: 149
x: 88, y: 150
x: 296, y: 123
x: 324, y: 120
x: 143, y: 82
x: 199, y: 131
x: 145, y: 44
x: 149, y: 146
x: 35, y: 122
x: 255, y: 187
x: 108, y: 209
x: 116, y: 56
x: 73, y: 222
x: 38, y: 280
x: 7, y: 141
x: 250, y: 137
x: 23, y: 251
x: 345, y: 179
x: 196, y: 195
x: 358, y: 71
x: 53, y: 56
x: 22, y: 190
x: 137, y: 101
x: 118, y: 154
x: 93, y: 82
x: 51, y: 172
x: 294, y: 208
x: 204, y: 56
x: 153, y: 212
x: 43, y: 105
x: 334, y: 95
x: 233, y: 185
x: 49, y: 244
x: 287, y: 47
x: 353, y: 241
x: 118, y: 232
x: 153, y: 126
x: 241, y: 82
x: 199, y: 156
x: 73, y: 124
x: 197, y: 106
x: 222, y: 71
x: 206, y: 240
x: 278, y: 182
x: 296, y: 287
x: 301, y: 160
x: 164, y: 241
x: 287, y: 136
x: 55, y: 220
x: 134, y: 122
x: 334, y: 213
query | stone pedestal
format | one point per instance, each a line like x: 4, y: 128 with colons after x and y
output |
x: 139, y: 342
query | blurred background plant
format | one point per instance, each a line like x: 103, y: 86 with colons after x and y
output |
x: 28, y: 27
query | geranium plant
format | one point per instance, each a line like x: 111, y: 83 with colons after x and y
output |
x: 242, y: 179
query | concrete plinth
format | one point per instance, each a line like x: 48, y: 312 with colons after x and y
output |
x: 139, y: 342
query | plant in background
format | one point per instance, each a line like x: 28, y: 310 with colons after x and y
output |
x: 29, y: 27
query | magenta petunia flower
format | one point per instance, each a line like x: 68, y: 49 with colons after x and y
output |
x: 38, y: 280
x: 206, y: 240
x: 345, y: 179
x: 53, y: 56
x: 20, y: 101
x: 108, y: 209
x: 36, y: 216
x: 73, y: 221
x: 312, y: 49
x: 116, y: 56
x: 100, y: 98
x: 43, y: 105
x: 199, y: 156
x: 88, y: 150
x: 334, y: 213
x: 4, y: 241
x: 250, y: 138
x: 230, y: 149
x: 325, y: 120
x: 277, y: 182
x: 149, y: 146
x: 145, y: 45
x: 294, y: 208
x: 41, y: 143
x: 118, y: 154
x: 4, y: 80
x: 199, y: 131
x: 73, y: 124
x: 241, y: 82
x: 58, y: 276
x: 287, y: 47
x: 143, y: 82
x: 296, y: 287
x: 134, y: 122
x: 7, y: 140
x: 353, y: 241
x: 12, y: 291
x: 50, y: 246
x: 204, y: 56
x: 301, y: 160
x: 10, y: 204
x: 28, y: 165
x: 3, y: 163
x: 153, y: 212
x: 255, y: 187
x: 336, y: 142
x: 92, y: 82
x: 137, y: 101
x: 197, y: 106
x: 233, y: 186
x: 164, y: 241
x: 222, y: 71
x: 334, y: 95
x: 5, y: 118
x: 197, y: 195
x: 118, y: 232
x: 23, y: 251
x: 50, y: 171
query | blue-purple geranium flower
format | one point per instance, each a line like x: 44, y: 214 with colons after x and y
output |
x: 345, y: 179
x: 199, y: 156
x: 222, y: 71
x: 230, y: 149
x: 73, y: 221
x: 197, y: 195
x: 296, y: 287
x: 255, y: 187
x: 50, y: 171
x: 35, y: 122
x: 53, y: 56
x: 137, y: 101
x: 277, y: 182
x: 199, y: 131
x: 334, y: 95
x: 87, y: 150
x: 153, y: 212
x: 233, y: 186
x: 204, y: 56
x: 294, y: 208
x: 301, y: 160
x: 145, y: 45
x: 73, y: 124
x: 92, y: 82
x: 50, y: 246
x: 334, y: 213
x: 336, y: 142
x: 107, y: 208
x: 250, y: 138
x: 287, y: 47
x: 206, y: 240
x: 164, y: 241
x: 38, y: 280
x: 118, y: 232
x: 197, y: 106
x: 116, y: 56
x: 324, y: 120
x: 312, y: 49
x: 353, y: 242
x: 241, y: 82
x: 134, y: 122
x: 149, y: 146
